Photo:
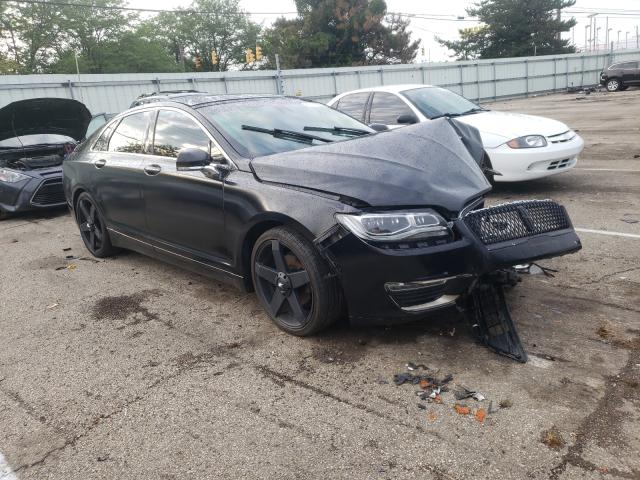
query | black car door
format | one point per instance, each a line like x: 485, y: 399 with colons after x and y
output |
x: 630, y: 73
x: 118, y: 161
x: 184, y: 209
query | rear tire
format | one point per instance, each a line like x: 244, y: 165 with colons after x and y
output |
x: 293, y: 282
x: 93, y: 228
x: 3, y: 215
x: 613, y: 85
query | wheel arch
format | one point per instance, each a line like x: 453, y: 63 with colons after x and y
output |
x: 259, y: 226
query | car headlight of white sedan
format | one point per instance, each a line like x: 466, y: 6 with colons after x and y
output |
x: 528, y: 141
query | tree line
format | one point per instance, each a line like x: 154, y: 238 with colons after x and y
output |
x: 99, y: 36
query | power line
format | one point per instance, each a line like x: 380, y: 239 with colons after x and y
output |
x: 421, y: 16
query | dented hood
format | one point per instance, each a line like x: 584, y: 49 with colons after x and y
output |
x: 60, y: 116
x: 421, y: 165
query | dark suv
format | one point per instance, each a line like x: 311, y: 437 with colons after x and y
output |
x: 620, y: 76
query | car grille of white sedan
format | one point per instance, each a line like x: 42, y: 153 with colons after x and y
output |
x: 562, y: 137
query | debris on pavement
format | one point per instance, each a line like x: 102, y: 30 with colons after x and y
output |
x: 552, y: 438
x: 481, y: 414
x: 431, y: 416
x: 412, y: 366
x: 463, y: 392
x: 66, y: 249
x: 534, y: 269
x: 506, y: 403
x: 461, y: 409
x: 53, y: 305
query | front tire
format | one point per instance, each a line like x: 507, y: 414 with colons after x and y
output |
x: 294, y: 283
x: 93, y: 229
x: 613, y: 85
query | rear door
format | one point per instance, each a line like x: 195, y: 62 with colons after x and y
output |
x: 386, y: 108
x: 354, y: 105
x: 117, y: 158
x: 184, y: 210
x: 630, y: 74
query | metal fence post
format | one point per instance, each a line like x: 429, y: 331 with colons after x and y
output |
x: 461, y: 79
x: 566, y: 69
x: 424, y: 78
x: 582, y: 72
x: 278, y: 77
x: 478, y: 79
x: 359, y: 79
x: 381, y: 76
x: 495, y: 80
x: 526, y: 78
x: 156, y: 83
x: 555, y: 74
x: 69, y: 84
x: 335, y: 83
x: 224, y: 84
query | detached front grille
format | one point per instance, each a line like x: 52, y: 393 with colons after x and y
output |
x: 517, y: 220
x: 50, y: 192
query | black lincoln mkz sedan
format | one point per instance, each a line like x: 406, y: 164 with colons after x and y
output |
x: 315, y: 211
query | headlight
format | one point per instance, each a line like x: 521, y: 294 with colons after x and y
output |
x: 10, y: 176
x: 395, y: 226
x: 529, y: 141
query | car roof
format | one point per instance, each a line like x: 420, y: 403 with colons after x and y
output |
x: 193, y: 98
x: 385, y: 88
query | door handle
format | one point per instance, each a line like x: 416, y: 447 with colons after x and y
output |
x: 152, y: 169
x: 100, y: 163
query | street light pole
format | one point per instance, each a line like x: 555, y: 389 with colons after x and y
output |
x: 618, y: 43
x: 596, y: 41
x: 586, y: 39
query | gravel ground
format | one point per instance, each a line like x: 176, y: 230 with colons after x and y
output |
x: 129, y: 368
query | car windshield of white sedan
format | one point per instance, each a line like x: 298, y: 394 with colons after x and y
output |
x: 436, y: 102
x: 269, y: 126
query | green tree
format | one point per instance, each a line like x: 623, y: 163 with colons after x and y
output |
x: 31, y: 33
x: 216, y: 25
x: 90, y: 30
x: 514, y: 28
x: 339, y: 33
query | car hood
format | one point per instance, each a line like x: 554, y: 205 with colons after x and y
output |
x: 44, y: 115
x: 421, y: 165
x: 512, y: 125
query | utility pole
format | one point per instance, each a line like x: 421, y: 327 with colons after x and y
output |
x: 606, y: 42
x: 596, y: 42
x: 586, y: 39
x: 618, y: 42
x: 592, y: 29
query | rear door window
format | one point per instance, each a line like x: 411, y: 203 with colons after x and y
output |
x: 386, y: 108
x: 354, y: 105
x: 176, y: 131
x: 130, y: 134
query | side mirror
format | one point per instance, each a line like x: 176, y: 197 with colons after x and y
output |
x: 407, y: 119
x: 379, y: 127
x: 191, y: 159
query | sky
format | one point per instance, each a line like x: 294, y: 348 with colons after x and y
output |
x: 447, y: 24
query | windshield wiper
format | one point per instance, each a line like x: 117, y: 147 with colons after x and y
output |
x: 453, y: 115
x: 356, y: 132
x: 287, y: 134
x: 474, y: 110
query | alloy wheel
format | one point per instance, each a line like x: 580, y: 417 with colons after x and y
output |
x: 91, y: 227
x: 283, y: 283
x: 613, y: 85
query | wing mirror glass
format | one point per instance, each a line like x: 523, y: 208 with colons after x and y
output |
x: 192, y: 159
x: 379, y: 127
x: 407, y: 119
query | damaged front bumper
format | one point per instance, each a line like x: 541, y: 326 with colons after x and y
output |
x: 384, y: 284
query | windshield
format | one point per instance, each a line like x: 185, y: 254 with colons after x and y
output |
x: 278, y: 125
x: 36, y: 139
x: 437, y: 102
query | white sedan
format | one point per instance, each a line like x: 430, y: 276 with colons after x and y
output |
x: 520, y: 147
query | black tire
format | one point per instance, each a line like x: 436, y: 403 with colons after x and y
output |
x: 93, y: 229
x: 293, y: 282
x: 613, y: 85
x: 4, y: 215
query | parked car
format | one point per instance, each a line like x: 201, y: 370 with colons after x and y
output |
x: 520, y: 147
x: 313, y: 210
x: 35, y: 137
x: 620, y: 76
